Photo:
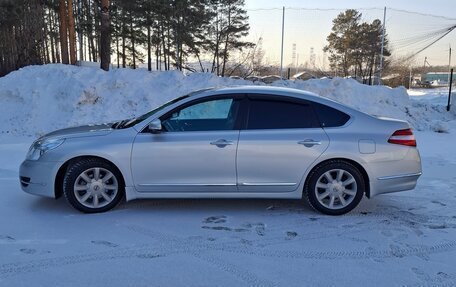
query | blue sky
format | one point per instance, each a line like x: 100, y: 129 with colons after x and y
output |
x: 309, y: 28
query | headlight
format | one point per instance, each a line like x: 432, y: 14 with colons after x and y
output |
x: 39, y: 147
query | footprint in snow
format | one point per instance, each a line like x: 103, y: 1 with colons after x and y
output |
x: 148, y: 256
x: 105, y: 243
x: 215, y: 219
x: 291, y: 235
x: 217, y: 228
x: 7, y: 238
x: 28, y: 250
x: 260, y: 228
x: 438, y: 202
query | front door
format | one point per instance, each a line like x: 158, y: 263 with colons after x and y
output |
x: 196, y: 152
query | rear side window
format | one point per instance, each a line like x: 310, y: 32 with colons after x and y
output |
x: 330, y: 117
x: 272, y: 114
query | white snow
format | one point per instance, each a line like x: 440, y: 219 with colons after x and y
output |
x: 402, y: 239
x: 39, y: 99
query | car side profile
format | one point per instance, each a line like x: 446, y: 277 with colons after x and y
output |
x: 236, y: 142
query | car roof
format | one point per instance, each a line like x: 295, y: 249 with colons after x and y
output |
x: 272, y: 90
x: 279, y: 91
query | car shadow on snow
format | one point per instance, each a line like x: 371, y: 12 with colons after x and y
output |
x: 212, y: 205
x: 52, y: 206
x: 241, y: 206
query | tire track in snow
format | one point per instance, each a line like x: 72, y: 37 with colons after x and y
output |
x: 198, y: 248
x: 234, y: 247
x: 397, y: 252
x: 168, y: 245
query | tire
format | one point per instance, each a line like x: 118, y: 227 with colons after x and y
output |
x: 93, y: 185
x: 335, y: 187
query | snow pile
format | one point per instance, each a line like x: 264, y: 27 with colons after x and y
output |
x: 374, y: 100
x: 39, y: 99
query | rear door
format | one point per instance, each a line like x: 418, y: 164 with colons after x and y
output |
x: 281, y: 139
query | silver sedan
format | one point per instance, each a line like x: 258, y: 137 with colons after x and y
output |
x: 239, y: 142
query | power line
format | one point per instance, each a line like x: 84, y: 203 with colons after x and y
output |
x: 433, y: 42
x: 422, y: 14
x: 419, y: 39
x: 361, y: 8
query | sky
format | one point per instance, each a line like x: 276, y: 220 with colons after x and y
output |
x: 309, y: 28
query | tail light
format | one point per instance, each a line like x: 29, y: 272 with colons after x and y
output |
x: 403, y: 137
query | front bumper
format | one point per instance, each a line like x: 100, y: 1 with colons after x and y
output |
x: 38, y: 177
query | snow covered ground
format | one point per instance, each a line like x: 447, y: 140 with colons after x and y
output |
x: 403, y: 239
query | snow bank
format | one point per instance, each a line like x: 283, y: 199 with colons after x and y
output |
x: 39, y: 99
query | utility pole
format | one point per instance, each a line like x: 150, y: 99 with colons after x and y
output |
x: 297, y: 63
x: 449, y: 66
x: 283, y: 31
x: 383, y: 46
x: 449, y: 92
x: 410, y: 78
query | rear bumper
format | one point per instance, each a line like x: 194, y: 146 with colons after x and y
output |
x: 37, y: 177
x: 396, y: 183
x: 394, y: 176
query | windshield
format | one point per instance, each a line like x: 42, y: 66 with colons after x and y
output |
x: 131, y: 122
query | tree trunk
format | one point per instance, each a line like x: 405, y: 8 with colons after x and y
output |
x: 149, y: 50
x: 164, y: 44
x: 80, y: 32
x: 169, y: 47
x: 63, y: 32
x: 117, y: 51
x: 71, y: 33
x: 132, y: 34
x: 105, y: 44
x: 124, y: 59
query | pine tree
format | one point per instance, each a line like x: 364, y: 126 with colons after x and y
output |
x: 229, y: 26
x: 354, y: 45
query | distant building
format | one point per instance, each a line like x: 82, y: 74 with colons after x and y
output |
x: 436, y: 76
x: 436, y: 79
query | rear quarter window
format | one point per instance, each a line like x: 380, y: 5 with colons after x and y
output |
x: 330, y: 117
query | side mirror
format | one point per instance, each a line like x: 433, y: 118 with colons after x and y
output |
x: 155, y: 126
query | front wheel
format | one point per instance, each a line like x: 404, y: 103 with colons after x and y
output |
x: 92, y: 185
x: 335, y: 187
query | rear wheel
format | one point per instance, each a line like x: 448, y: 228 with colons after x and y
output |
x: 335, y: 187
x: 93, y: 185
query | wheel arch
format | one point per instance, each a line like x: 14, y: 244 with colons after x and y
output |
x: 58, y: 181
x: 352, y: 162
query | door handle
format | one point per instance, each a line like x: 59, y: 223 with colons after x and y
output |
x: 309, y: 143
x: 222, y: 143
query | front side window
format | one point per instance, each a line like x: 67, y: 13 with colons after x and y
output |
x: 209, y: 115
x: 274, y: 114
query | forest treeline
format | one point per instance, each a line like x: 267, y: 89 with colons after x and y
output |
x: 162, y: 33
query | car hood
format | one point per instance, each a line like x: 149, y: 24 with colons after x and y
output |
x: 81, y: 131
